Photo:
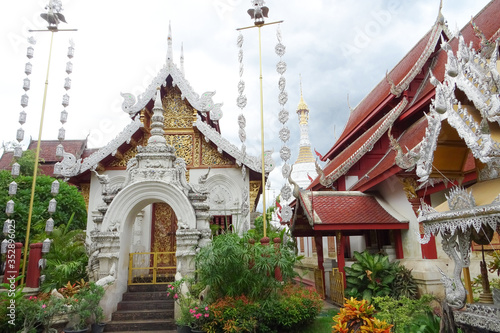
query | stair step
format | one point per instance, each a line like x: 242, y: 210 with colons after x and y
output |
x: 145, y: 305
x: 146, y: 296
x: 147, y: 287
x: 140, y: 325
x: 142, y: 314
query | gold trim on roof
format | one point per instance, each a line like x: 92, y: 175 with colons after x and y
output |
x: 254, y: 188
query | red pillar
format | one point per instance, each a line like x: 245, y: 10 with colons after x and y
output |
x: 13, y: 261
x: 429, y: 250
x: 33, y: 273
x: 340, y: 239
x: 398, y: 244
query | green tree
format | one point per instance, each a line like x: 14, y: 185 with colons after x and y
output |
x: 67, y: 259
x: 69, y: 201
x: 27, y: 163
x: 234, y: 266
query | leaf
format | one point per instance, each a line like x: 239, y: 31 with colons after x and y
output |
x: 367, y: 294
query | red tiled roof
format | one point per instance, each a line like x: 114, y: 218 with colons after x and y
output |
x: 408, y: 140
x: 368, y: 113
x: 374, y: 102
x: 48, y: 148
x: 379, y: 96
x: 47, y: 153
x: 344, y: 210
x: 349, y: 151
x: 6, y: 160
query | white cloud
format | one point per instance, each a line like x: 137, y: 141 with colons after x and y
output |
x: 120, y: 45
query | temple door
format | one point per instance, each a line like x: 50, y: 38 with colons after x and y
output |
x: 163, y: 242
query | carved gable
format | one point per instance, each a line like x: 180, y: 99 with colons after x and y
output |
x: 188, y: 142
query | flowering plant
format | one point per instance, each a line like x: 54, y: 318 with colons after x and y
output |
x: 199, y: 316
x: 40, y: 310
x: 173, y: 290
x: 185, y: 292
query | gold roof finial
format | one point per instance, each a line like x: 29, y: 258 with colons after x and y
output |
x: 302, y: 104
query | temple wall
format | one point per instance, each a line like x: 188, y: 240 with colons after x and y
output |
x: 392, y: 192
x: 95, y: 198
x: 225, y: 197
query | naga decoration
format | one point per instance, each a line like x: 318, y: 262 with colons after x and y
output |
x: 455, y: 227
x: 65, y: 102
x: 18, y: 150
x: 405, y: 161
x: 475, y: 74
x: 241, y: 102
x: 471, y: 72
x: 284, y: 133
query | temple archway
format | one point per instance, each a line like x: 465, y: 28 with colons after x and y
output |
x: 120, y: 219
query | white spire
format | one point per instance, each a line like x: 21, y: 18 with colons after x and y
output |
x: 169, y: 50
x: 157, y: 133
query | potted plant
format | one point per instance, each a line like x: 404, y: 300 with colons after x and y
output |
x: 91, y: 295
x: 199, y: 316
x: 40, y: 311
x: 183, y: 291
x: 79, y: 314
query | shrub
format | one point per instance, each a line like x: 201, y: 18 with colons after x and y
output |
x: 232, y: 266
x: 370, y: 276
x: 232, y: 314
x: 292, y: 308
x: 404, y: 284
x: 11, y: 322
x: 358, y: 316
x: 295, y: 307
x: 402, y: 312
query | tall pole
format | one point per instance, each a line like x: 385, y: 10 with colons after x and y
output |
x: 53, y: 18
x: 263, y: 166
x: 258, y: 13
x: 37, y: 156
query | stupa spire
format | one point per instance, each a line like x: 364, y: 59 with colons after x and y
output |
x: 305, y: 153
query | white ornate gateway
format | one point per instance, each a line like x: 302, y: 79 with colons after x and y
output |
x: 147, y: 190
x: 467, y: 101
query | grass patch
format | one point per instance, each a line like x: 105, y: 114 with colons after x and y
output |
x: 322, y: 324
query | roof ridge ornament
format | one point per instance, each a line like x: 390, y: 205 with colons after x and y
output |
x: 170, y: 58
x: 435, y: 34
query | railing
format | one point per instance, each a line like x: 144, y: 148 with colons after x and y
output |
x: 337, y: 287
x: 151, y: 268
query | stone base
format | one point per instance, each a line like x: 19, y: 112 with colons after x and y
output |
x: 477, y: 317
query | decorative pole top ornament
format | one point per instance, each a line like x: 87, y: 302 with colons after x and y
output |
x: 258, y: 12
x: 53, y: 15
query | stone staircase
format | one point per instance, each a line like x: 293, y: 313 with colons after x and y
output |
x: 143, y: 308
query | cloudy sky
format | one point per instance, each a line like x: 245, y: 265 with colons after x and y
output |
x: 341, y: 49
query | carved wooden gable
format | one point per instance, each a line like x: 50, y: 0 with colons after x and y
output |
x: 188, y: 142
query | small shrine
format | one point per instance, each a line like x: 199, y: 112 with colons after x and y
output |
x: 159, y: 190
